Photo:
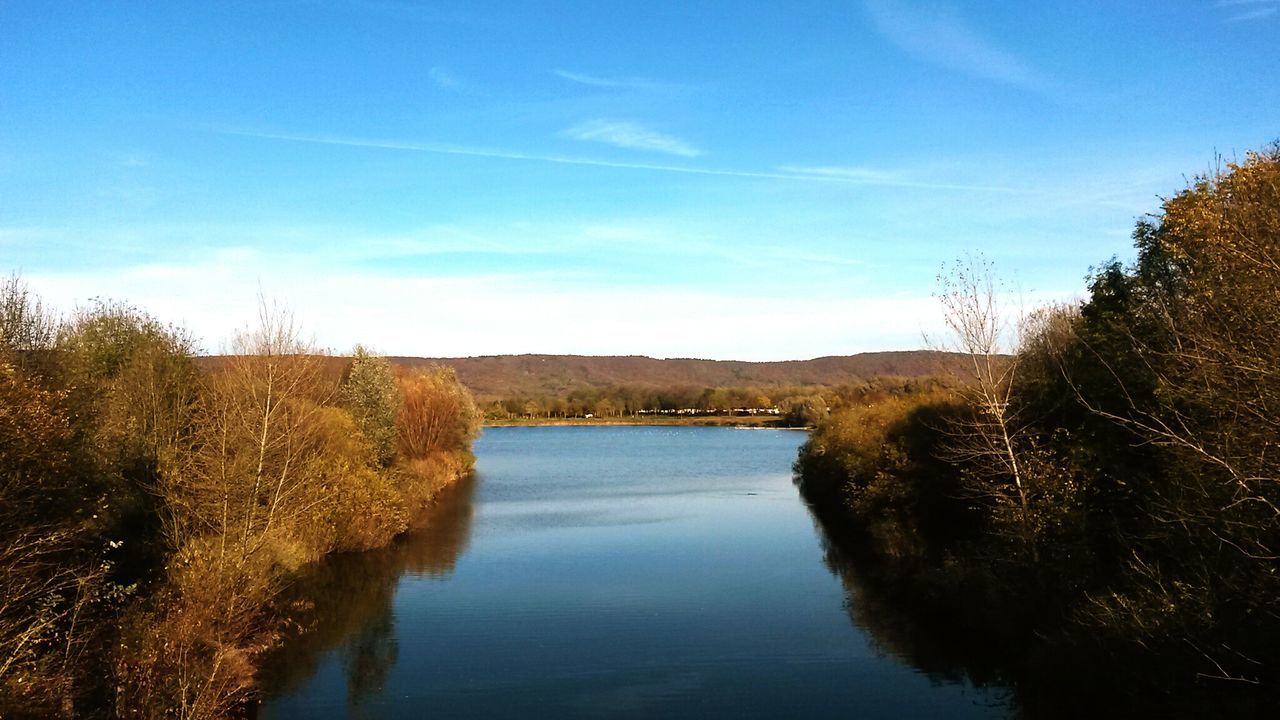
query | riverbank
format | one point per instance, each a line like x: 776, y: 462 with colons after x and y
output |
x: 746, y: 421
x: 942, y: 584
x: 155, y: 508
x: 1110, y: 490
x: 194, y: 646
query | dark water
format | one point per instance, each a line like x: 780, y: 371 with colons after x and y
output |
x: 608, y: 572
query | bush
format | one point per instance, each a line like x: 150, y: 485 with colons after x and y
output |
x: 879, y: 464
x: 437, y: 414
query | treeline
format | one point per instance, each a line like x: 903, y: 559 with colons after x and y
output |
x: 1116, y: 483
x: 795, y: 405
x: 153, y: 510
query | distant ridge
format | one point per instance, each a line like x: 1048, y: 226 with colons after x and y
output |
x: 498, y: 376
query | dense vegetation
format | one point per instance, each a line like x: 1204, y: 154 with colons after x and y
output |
x: 154, y: 508
x: 1116, y: 483
x: 794, y: 406
x: 777, y: 405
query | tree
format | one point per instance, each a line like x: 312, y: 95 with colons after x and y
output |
x: 27, y: 328
x: 803, y: 410
x: 1182, y: 352
x: 437, y: 414
x: 256, y: 424
x: 370, y: 394
x: 46, y: 578
x: 78, y: 446
x: 605, y: 408
x: 991, y: 440
x: 133, y: 383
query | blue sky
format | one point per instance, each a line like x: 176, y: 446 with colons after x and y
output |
x: 731, y: 180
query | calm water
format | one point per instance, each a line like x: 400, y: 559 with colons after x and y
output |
x: 607, y: 572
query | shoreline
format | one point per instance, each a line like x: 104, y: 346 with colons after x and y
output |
x: 713, y: 421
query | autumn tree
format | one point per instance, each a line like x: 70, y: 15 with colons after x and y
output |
x: 436, y: 413
x: 87, y: 408
x: 257, y: 423
x: 28, y: 329
x: 153, y: 508
x: 803, y: 410
x: 1181, y: 352
x: 273, y: 476
x: 46, y: 576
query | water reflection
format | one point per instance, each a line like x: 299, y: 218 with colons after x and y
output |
x: 936, y: 644
x: 613, y: 572
x: 1035, y: 677
x: 345, y: 603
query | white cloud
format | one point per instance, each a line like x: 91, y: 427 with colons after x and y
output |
x: 633, y: 83
x: 216, y: 294
x: 631, y: 136
x: 941, y: 37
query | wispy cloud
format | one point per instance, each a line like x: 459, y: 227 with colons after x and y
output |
x: 589, y: 240
x: 448, y: 149
x: 869, y: 175
x: 441, y: 76
x: 1245, y: 10
x: 630, y: 83
x: 632, y: 136
x: 883, y: 178
x: 938, y: 35
x: 1253, y: 14
x: 789, y: 173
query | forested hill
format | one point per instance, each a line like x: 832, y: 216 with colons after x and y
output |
x: 498, y: 376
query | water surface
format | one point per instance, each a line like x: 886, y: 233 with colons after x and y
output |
x: 605, y: 572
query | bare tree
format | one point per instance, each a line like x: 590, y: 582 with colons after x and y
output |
x: 26, y: 325
x: 239, y: 496
x: 989, y: 442
x: 248, y: 466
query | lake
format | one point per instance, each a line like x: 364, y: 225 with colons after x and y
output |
x: 606, y: 572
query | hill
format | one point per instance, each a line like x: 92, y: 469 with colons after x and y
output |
x: 500, y: 376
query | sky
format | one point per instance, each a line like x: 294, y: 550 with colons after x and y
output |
x: 726, y: 180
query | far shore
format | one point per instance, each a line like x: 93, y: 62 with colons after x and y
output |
x: 755, y: 422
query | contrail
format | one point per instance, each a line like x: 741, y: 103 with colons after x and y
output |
x: 445, y: 149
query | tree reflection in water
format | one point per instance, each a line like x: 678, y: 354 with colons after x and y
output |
x: 934, y: 643
x: 345, y: 601
x: 1039, y: 676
